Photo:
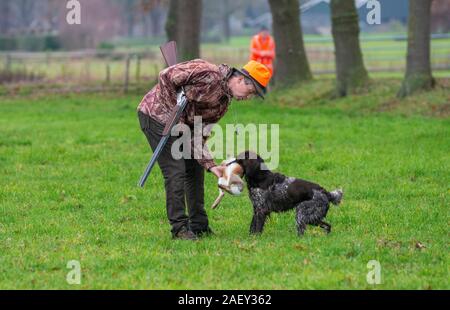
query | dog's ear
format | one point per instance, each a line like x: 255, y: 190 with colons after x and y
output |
x: 250, y: 161
x: 251, y: 167
x: 242, y: 159
x: 242, y: 155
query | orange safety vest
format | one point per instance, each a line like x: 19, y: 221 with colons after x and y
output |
x: 266, y: 46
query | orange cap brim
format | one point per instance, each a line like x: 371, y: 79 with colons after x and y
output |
x: 260, y: 90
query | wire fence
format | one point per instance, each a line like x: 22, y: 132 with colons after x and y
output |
x: 123, y: 69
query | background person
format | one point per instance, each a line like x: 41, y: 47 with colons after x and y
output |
x: 262, y: 48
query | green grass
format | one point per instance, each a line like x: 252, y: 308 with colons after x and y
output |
x: 69, y: 166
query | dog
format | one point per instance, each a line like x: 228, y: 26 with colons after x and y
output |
x: 230, y: 181
x: 273, y: 192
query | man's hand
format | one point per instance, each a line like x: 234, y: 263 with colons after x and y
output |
x: 217, y: 171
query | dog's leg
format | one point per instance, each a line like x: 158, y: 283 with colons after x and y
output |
x: 301, y: 225
x: 325, y: 226
x: 218, y: 199
x: 253, y: 224
x: 258, y: 221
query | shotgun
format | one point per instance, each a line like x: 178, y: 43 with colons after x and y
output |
x: 169, y: 52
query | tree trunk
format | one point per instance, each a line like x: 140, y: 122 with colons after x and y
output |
x: 172, y: 21
x: 189, y: 29
x: 145, y: 21
x: 292, y: 65
x: 129, y: 16
x: 350, y: 70
x: 5, y: 11
x: 418, y: 67
x: 226, y: 20
x: 27, y: 9
x: 130, y: 25
x: 155, y: 18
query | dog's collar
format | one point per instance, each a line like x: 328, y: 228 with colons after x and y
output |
x: 231, y: 162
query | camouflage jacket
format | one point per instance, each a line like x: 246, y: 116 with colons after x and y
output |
x: 207, y: 92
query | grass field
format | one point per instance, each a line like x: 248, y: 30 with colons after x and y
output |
x: 69, y: 166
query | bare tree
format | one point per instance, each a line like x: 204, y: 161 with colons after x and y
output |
x: 53, y: 14
x: 228, y: 9
x: 129, y: 10
x: 292, y: 65
x: 156, y: 16
x: 350, y: 70
x: 440, y: 16
x: 101, y: 22
x: 172, y: 20
x: 5, y: 15
x: 151, y: 14
x: 418, y: 68
x: 188, y: 32
x: 20, y: 14
x: 26, y: 11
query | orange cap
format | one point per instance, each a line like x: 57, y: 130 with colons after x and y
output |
x: 259, y: 74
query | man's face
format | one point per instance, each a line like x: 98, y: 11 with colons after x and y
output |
x: 264, y: 34
x: 242, y: 89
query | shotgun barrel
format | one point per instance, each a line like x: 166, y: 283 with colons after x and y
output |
x: 169, y: 52
x: 177, y: 111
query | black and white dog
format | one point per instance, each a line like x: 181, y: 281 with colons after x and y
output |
x: 274, y: 192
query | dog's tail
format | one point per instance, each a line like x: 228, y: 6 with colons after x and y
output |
x: 335, y: 196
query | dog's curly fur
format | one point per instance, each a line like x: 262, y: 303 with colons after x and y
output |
x: 274, y: 192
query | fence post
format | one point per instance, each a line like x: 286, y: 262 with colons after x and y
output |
x: 127, y: 74
x: 8, y: 63
x: 108, y: 74
x: 88, y: 69
x: 138, y: 68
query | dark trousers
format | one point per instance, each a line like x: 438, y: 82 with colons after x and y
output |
x: 183, y: 179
